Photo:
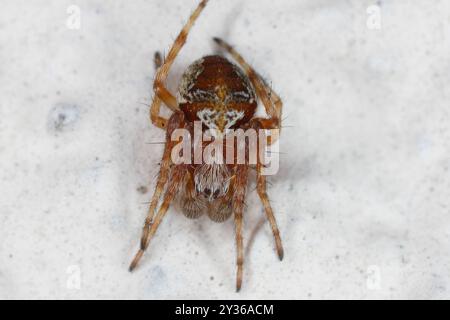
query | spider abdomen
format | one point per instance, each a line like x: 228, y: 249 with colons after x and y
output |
x: 215, y: 91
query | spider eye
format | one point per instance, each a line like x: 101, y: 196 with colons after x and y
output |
x: 207, y: 192
x: 216, y: 193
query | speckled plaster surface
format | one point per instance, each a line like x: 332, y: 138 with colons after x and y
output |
x: 362, y: 195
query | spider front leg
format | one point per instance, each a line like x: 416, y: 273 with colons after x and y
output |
x: 156, y: 119
x: 240, y: 188
x: 161, y: 76
x: 177, y: 177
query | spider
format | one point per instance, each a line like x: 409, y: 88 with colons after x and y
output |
x: 221, y: 95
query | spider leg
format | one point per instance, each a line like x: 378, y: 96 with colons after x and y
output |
x: 274, y: 97
x: 258, y: 124
x: 240, y: 188
x: 262, y: 192
x: 156, y: 119
x: 172, y: 189
x: 272, y: 101
x: 159, y: 85
x: 175, y: 121
x: 278, y: 105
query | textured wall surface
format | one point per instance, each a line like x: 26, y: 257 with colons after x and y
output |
x: 362, y: 195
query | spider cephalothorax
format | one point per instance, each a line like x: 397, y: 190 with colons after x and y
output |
x: 219, y: 96
x: 218, y: 93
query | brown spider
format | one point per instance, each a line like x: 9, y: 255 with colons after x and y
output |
x: 222, y: 96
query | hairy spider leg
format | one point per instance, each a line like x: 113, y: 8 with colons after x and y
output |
x: 155, y: 117
x: 161, y: 75
x: 150, y: 225
x: 240, y: 188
